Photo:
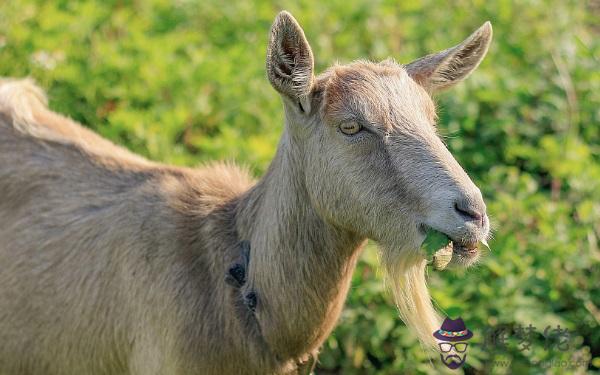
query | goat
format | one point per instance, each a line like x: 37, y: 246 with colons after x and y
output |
x: 113, y: 264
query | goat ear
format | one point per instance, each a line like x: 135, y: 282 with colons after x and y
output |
x: 444, y: 69
x: 290, y: 63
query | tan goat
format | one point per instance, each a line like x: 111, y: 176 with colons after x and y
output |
x: 112, y: 264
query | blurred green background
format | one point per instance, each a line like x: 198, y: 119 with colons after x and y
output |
x: 184, y: 82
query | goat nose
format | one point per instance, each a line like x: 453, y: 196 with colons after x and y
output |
x: 470, y: 210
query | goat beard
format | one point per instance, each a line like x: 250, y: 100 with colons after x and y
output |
x: 405, y: 275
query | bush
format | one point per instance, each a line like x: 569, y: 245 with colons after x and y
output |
x: 184, y: 82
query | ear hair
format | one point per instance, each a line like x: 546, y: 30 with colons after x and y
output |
x: 444, y: 69
x: 290, y: 63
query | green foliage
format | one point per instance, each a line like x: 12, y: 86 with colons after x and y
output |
x: 183, y: 82
x: 434, y: 241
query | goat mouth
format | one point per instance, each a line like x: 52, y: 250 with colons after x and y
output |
x: 464, y: 254
x: 451, y: 252
x: 465, y: 248
x: 459, y: 253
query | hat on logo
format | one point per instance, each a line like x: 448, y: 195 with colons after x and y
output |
x: 453, y: 330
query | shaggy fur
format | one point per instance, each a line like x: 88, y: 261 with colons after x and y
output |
x: 112, y: 264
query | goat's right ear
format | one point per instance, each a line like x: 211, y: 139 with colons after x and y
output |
x: 290, y: 63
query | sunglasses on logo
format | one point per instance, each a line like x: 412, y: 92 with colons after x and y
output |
x: 460, y: 347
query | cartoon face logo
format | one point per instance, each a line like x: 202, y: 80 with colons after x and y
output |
x: 452, y: 337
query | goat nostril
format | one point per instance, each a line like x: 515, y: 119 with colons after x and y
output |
x: 470, y: 213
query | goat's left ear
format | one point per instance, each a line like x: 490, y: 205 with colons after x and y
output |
x: 444, y: 69
x: 290, y: 63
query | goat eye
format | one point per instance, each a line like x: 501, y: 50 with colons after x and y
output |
x: 350, y: 128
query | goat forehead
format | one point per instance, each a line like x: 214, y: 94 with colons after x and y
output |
x: 380, y: 94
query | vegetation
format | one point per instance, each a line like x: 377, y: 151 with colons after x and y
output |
x: 183, y: 82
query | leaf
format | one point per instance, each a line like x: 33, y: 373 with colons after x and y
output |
x: 434, y: 241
